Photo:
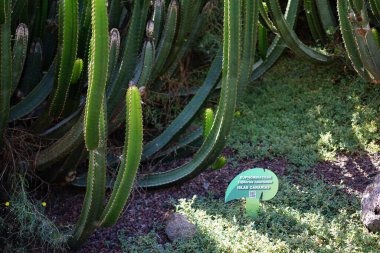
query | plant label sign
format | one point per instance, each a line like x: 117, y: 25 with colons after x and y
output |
x: 254, y: 185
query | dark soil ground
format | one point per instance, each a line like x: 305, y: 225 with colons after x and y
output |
x: 149, y: 209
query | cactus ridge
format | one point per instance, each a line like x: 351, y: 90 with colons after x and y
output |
x: 291, y: 38
x: 97, y: 72
x: 130, y: 161
x: 68, y: 30
x: 5, y: 64
x: 215, y: 141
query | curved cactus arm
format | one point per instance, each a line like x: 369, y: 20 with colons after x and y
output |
x: 130, y: 161
x: 264, y: 17
x: 188, y: 113
x: 61, y: 128
x: 19, y: 54
x: 68, y: 45
x: 126, y: 68
x: 326, y: 15
x: 183, y: 147
x: 278, y: 46
x: 36, y: 97
x: 313, y: 19
x: 215, y: 141
x: 97, y: 72
x: 291, y: 39
x: 5, y: 64
x: 366, y: 43
x: 61, y: 148
x: 349, y: 39
x: 96, y: 185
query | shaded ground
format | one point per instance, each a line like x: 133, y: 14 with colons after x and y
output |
x: 353, y: 173
x: 147, y: 210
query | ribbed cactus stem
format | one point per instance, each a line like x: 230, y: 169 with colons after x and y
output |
x: 96, y: 185
x: 68, y: 45
x: 130, y: 161
x: 263, y: 42
x: 219, y: 163
x: 77, y: 71
x: 216, y: 139
x: 5, y: 64
x: 97, y: 72
x: 19, y: 54
x: 208, y: 121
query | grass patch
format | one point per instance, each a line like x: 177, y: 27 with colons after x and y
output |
x: 307, y: 113
x: 309, y: 216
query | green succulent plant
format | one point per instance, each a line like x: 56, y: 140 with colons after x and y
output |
x: 83, y: 76
x: 76, y: 71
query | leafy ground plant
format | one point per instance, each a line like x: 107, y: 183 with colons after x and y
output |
x: 307, y: 216
x: 309, y: 116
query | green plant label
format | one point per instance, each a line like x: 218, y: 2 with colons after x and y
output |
x: 254, y: 185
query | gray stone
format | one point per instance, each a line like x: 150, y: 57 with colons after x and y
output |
x: 371, y: 206
x: 178, y: 227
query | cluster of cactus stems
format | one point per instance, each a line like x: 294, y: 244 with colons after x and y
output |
x: 75, y: 71
x: 360, y: 39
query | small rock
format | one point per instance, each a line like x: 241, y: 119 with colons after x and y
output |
x: 371, y: 206
x: 178, y: 227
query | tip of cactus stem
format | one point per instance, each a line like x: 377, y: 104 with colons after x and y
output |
x: 77, y: 70
x: 22, y: 31
x: 237, y: 114
x: 219, y: 163
x: 132, y: 84
x: 150, y: 29
x: 115, y: 35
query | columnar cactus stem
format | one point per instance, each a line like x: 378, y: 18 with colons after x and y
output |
x: 97, y: 72
x: 5, y: 64
x: 215, y: 141
x: 68, y: 45
x: 130, y: 161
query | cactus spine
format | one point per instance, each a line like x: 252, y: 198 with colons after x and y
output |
x: 97, y: 72
x: 130, y: 161
x: 19, y: 54
x: 68, y: 45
